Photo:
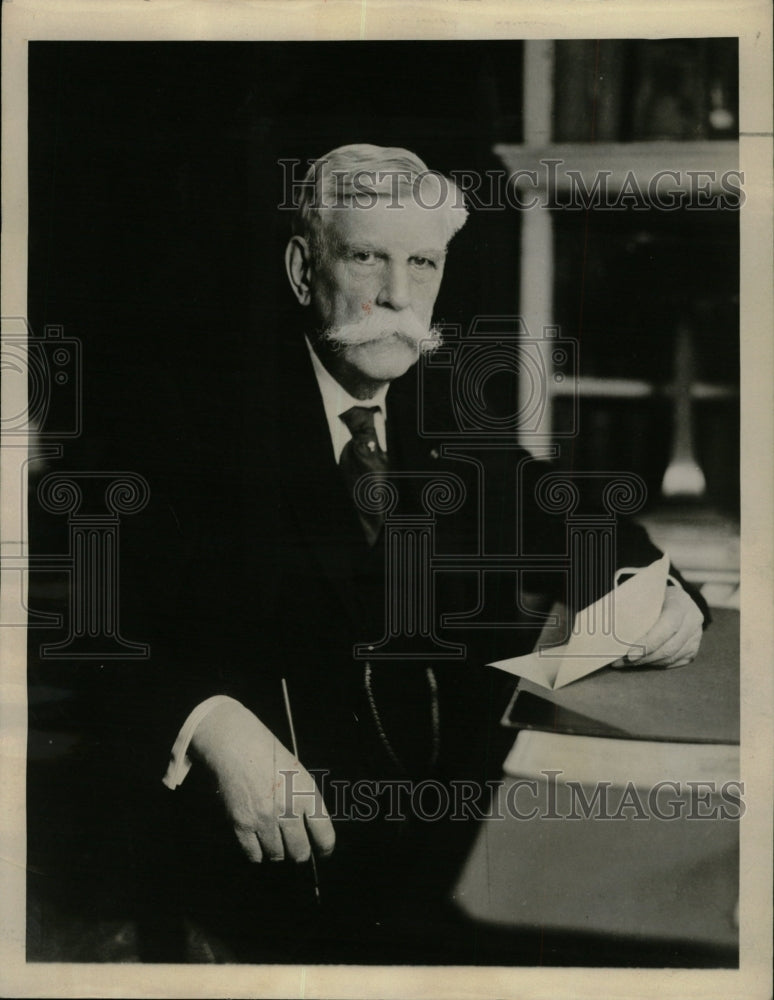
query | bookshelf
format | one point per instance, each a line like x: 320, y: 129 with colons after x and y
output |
x: 595, y: 193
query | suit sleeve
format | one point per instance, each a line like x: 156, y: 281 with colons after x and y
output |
x: 199, y: 591
x: 547, y: 534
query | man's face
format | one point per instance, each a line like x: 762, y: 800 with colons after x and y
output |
x: 375, y: 287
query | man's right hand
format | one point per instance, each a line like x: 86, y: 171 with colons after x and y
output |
x: 272, y: 817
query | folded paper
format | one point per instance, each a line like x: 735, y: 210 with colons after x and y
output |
x: 604, y: 631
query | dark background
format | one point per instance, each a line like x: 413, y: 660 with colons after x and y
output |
x: 156, y: 241
x: 154, y: 185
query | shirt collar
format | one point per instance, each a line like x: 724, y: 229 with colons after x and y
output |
x: 336, y: 400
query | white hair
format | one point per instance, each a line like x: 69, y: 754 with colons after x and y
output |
x: 358, y: 174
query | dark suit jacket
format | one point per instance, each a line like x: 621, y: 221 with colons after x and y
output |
x: 258, y: 569
x: 254, y: 567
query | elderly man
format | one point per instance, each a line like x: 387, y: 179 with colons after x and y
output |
x: 268, y: 661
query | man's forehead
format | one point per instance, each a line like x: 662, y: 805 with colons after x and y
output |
x: 386, y: 222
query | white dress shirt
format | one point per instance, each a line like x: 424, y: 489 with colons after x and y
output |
x: 336, y: 400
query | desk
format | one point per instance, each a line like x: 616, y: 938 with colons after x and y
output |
x: 629, y: 885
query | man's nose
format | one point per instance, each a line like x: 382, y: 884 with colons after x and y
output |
x: 395, y: 292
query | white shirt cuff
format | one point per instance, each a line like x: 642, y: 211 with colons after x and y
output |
x: 179, y: 761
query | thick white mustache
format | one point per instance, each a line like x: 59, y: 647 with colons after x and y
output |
x: 380, y: 324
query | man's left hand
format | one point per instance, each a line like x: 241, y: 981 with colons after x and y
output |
x: 674, y: 639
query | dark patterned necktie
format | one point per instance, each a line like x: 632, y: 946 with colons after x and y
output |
x: 360, y: 455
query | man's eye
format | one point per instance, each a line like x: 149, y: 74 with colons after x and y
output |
x: 364, y: 256
x: 423, y: 263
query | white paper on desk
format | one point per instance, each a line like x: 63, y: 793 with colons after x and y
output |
x: 636, y: 605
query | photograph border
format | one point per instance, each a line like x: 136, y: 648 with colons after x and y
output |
x: 200, y: 20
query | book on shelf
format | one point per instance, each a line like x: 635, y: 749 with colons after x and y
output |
x: 623, y: 90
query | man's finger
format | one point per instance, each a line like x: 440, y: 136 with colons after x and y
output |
x: 249, y: 843
x: 672, y: 650
x: 682, y: 662
x: 271, y: 842
x: 665, y: 629
x: 684, y: 643
x: 679, y: 658
x: 321, y: 832
x: 680, y: 621
x: 295, y: 839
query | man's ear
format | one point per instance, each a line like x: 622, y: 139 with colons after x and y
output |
x: 298, y: 264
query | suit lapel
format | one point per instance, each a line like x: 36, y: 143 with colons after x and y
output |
x: 312, y: 484
x: 409, y: 450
